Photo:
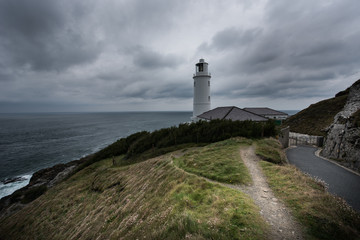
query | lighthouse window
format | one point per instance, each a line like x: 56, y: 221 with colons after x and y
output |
x: 209, y: 98
x: 209, y: 83
x: 201, y: 67
x: 194, y: 84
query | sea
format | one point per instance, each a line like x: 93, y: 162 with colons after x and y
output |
x: 33, y: 141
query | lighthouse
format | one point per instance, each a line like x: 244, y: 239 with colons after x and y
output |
x: 201, y: 89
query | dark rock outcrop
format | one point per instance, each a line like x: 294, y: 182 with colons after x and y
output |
x: 343, y: 135
x: 39, y: 183
x: 12, y: 180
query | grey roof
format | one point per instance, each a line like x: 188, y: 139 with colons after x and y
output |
x: 216, y: 113
x: 233, y: 113
x: 264, y: 111
x: 242, y: 115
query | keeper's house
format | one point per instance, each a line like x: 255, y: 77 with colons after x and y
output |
x: 268, y: 113
x: 247, y: 114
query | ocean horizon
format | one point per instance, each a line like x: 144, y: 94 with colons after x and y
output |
x: 33, y: 141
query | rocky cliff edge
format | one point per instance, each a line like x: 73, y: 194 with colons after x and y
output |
x: 343, y: 135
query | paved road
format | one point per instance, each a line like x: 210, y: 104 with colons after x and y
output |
x: 341, y: 182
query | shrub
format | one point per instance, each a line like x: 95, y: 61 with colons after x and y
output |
x: 270, y: 150
x: 197, y: 132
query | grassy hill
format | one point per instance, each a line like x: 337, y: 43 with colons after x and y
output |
x: 168, y: 197
x: 153, y: 199
x: 317, y: 117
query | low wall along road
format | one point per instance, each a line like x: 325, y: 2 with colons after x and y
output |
x: 296, y: 139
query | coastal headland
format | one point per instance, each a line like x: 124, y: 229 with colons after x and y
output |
x: 178, y: 190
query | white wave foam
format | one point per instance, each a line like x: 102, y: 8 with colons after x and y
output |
x: 7, y: 189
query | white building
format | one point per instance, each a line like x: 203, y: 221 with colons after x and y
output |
x: 201, y: 89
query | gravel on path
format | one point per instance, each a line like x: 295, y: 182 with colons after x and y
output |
x: 283, y: 225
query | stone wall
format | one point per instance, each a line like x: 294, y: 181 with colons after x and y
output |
x: 304, y: 139
x: 284, y: 137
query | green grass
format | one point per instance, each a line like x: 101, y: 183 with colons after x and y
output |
x: 154, y: 199
x: 138, y: 146
x: 219, y: 161
x: 122, y: 160
x: 270, y: 150
x: 204, y: 210
x: 151, y: 200
x: 323, y: 215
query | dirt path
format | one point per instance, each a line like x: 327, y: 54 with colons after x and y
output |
x: 273, y: 210
x: 275, y: 213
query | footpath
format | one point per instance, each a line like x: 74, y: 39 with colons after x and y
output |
x: 273, y: 210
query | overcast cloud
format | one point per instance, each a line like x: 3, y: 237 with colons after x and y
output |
x: 73, y: 55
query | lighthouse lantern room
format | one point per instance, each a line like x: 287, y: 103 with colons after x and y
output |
x: 201, y: 89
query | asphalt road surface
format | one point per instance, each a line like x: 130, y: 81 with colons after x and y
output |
x: 341, y: 182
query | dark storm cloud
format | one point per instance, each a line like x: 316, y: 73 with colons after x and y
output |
x: 231, y: 38
x: 101, y: 52
x: 152, y: 60
x: 180, y: 91
x: 146, y: 89
x: 41, y: 34
x: 166, y: 91
x: 299, y: 44
x: 150, y: 15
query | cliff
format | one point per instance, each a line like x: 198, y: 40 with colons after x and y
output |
x: 343, y: 135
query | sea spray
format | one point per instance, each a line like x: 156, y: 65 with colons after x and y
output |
x: 8, y: 186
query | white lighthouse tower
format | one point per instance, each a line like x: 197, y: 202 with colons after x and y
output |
x: 201, y: 89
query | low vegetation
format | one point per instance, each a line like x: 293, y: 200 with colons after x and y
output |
x: 317, y: 117
x: 323, y: 215
x: 152, y: 199
x: 270, y: 150
x: 165, y: 140
x: 167, y: 197
x: 219, y: 161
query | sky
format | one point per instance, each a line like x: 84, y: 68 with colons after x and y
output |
x: 140, y: 55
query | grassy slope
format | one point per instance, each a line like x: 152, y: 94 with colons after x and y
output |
x: 156, y: 200
x: 152, y: 199
x: 218, y: 161
x: 316, y: 117
x: 323, y: 215
x: 270, y: 150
